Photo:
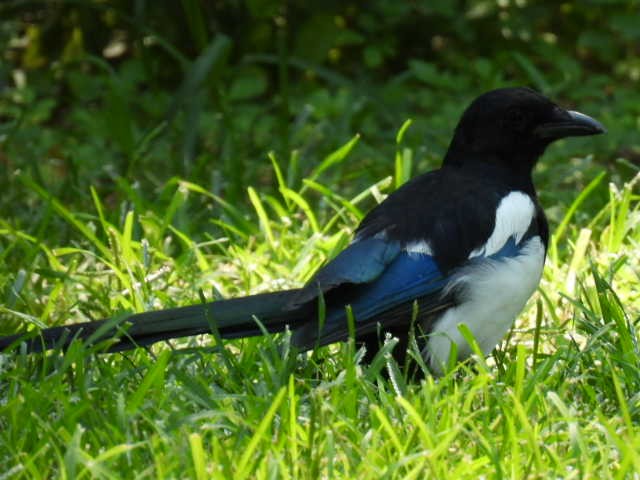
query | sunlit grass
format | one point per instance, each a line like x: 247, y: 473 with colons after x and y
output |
x: 559, y: 399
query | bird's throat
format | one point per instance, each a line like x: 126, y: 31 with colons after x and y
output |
x: 514, y: 171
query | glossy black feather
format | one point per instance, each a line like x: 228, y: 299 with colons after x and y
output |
x: 496, y: 144
x: 453, y: 208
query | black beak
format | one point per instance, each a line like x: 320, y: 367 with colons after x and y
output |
x: 569, y: 124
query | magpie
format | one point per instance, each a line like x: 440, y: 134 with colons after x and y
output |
x: 463, y: 244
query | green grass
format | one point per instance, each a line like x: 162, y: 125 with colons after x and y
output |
x: 92, y: 224
x: 558, y: 399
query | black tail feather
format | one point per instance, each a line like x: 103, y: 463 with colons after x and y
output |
x: 233, y: 318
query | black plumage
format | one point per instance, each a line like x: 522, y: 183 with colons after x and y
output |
x: 414, y: 249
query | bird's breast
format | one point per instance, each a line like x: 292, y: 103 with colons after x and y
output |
x: 490, y: 294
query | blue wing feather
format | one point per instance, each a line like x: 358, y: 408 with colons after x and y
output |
x: 384, y: 279
x: 409, y: 276
x: 509, y: 249
x: 361, y: 262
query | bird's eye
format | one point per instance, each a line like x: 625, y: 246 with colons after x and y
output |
x: 517, y: 119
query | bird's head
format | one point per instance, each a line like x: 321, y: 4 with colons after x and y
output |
x: 513, y: 126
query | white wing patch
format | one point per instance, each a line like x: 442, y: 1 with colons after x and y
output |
x: 420, y: 247
x: 493, y: 292
x: 513, y: 218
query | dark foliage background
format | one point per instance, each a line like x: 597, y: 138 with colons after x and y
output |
x: 124, y: 95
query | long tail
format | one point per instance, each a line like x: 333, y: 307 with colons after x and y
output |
x: 233, y: 318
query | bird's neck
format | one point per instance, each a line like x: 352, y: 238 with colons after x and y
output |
x: 514, y: 172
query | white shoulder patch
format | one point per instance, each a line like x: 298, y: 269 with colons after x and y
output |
x: 420, y: 247
x: 513, y: 218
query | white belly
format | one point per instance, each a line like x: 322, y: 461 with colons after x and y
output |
x: 492, y: 295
